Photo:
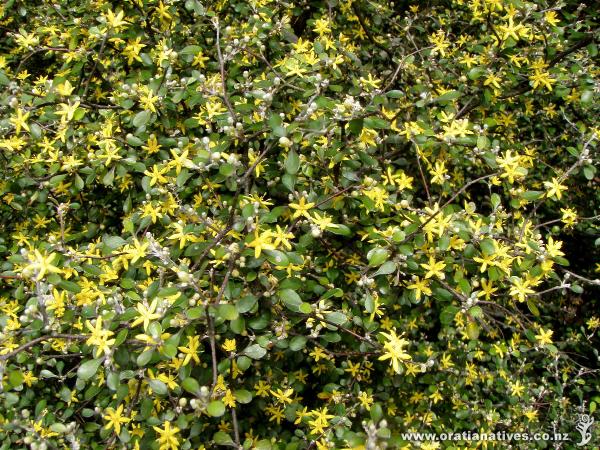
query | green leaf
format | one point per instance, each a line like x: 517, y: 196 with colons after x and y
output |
x: 222, y: 438
x: 227, y: 312
x: 58, y: 427
x: 112, y: 381
x: 355, y: 126
x: 216, y: 408
x: 157, y: 386
x: 589, y: 172
x: 292, y: 162
x: 336, y: 317
x: 335, y: 292
x: 488, y: 247
x: 395, y: 94
x: 114, y: 242
x: 246, y: 303
x: 472, y: 330
x: 15, y: 378
x: 255, y: 351
x: 297, y: 343
x: 341, y: 230
x: 376, y: 123
x: 476, y: 311
x: 144, y: 357
x: 277, y: 258
x: 448, y: 313
x: 377, y: 256
x: 305, y: 308
x: 475, y: 73
x: 226, y: 169
x: 552, y: 348
x: 533, y: 308
x: 386, y: 268
x: 576, y: 288
x: 495, y: 200
x: 289, y: 181
x: 194, y: 313
x: 243, y: 396
x: 290, y: 299
x: 531, y: 195
x: 70, y: 286
x: 89, y: 368
x: 141, y: 118
x: 133, y: 140
x: 448, y: 96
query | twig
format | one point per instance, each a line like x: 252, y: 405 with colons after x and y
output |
x: 236, y: 429
x: 213, y: 349
x: 450, y: 200
x: 39, y: 339
x: 98, y: 57
x: 423, y: 177
x: 222, y: 70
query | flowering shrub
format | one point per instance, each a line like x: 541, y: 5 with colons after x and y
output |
x: 296, y: 225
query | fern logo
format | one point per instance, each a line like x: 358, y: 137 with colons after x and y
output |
x: 583, y: 425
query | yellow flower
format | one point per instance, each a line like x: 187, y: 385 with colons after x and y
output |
x: 262, y: 388
x: 19, y: 121
x: 29, y: 378
x: 283, y: 397
x: 137, y: 251
x: 540, y: 78
x: 282, y: 238
x: 115, y: 418
x: 511, y: 30
x: 115, y: 22
x: 421, y: 287
x: 365, y: 400
x: 99, y: 337
x: 191, y: 351
x: 199, y: 60
x: 229, y: 345
x: 146, y: 314
x: 550, y: 18
x: 41, y: 264
x: 166, y: 438
x: 553, y: 248
x: 516, y: 388
x: 554, y: 188
x: 521, y: 289
x: 394, y: 350
x: 152, y: 145
x: 439, y: 173
x: 370, y: 82
x: 132, y: 50
x: 262, y: 241
x: 434, y: 268
x: 322, y: 26
x: 323, y: 222
x: 229, y: 399
x: 593, y: 323
x: 545, y: 337
x: 301, y: 208
x: 487, y: 289
x: 320, y: 421
x: 156, y: 175
x: 569, y: 217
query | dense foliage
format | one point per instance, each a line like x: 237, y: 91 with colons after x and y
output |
x: 294, y: 225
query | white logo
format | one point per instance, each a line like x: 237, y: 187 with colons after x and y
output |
x: 583, y: 424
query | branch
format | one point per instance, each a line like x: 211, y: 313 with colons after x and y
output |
x: 79, y: 337
x: 450, y: 200
x: 222, y: 70
x: 88, y: 79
